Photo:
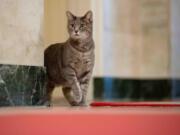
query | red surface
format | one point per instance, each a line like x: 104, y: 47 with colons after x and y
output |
x: 80, y: 121
x: 152, y: 104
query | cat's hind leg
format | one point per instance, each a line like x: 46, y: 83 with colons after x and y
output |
x: 46, y: 100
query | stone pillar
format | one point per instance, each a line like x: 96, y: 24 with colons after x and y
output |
x: 136, y: 51
x: 122, y: 38
x: 175, y: 40
x: 155, y: 28
x: 21, y: 52
x: 175, y: 48
x: 21, y: 27
x: 136, y: 38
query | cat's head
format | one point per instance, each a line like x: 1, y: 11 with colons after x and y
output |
x: 80, y: 28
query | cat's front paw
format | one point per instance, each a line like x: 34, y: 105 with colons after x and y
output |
x: 73, y: 103
x: 77, y: 95
x: 83, y: 104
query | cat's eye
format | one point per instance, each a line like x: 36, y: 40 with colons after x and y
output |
x: 72, y: 25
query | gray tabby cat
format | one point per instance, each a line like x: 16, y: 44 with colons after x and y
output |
x: 70, y: 64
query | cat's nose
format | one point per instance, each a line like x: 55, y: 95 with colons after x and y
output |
x: 76, y: 31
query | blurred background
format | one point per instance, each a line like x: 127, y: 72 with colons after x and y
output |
x: 137, y: 44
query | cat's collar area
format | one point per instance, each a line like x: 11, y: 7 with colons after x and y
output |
x: 80, y: 47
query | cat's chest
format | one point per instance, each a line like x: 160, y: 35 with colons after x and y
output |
x: 79, y: 61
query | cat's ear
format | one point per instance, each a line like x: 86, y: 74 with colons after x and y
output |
x: 70, y: 16
x: 89, y: 16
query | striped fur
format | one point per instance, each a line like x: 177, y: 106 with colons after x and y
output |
x: 70, y: 64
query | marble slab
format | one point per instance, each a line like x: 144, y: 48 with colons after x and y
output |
x: 21, y: 85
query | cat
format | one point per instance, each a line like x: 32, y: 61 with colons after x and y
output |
x: 70, y: 64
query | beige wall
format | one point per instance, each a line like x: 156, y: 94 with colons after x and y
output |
x: 55, y: 21
x: 21, y: 28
